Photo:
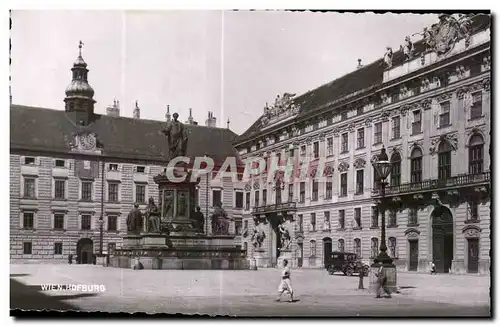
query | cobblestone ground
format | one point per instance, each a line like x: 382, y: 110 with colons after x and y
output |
x: 247, y: 293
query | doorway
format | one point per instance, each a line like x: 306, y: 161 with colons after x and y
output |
x: 413, y: 245
x: 327, y: 250
x: 84, y: 251
x: 472, y: 255
x: 442, y: 238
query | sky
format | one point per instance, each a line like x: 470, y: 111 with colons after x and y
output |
x: 227, y: 62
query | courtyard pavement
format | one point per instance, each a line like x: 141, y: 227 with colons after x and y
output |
x: 245, y: 293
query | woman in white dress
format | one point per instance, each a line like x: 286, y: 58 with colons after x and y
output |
x: 285, y: 284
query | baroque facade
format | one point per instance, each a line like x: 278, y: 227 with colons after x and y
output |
x: 75, y: 175
x: 428, y: 104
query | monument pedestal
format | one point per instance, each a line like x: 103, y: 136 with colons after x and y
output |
x: 261, y: 259
x: 153, y: 240
x: 391, y: 274
x: 285, y: 254
x: 131, y: 240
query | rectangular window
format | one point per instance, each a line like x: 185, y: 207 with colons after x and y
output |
x: 112, y: 223
x: 28, y: 220
x: 378, y: 133
x: 112, y: 167
x: 374, y: 217
x: 357, y: 216
x: 329, y: 146
x: 291, y: 152
x: 302, y: 193
x: 256, y: 198
x: 301, y: 222
x: 359, y: 110
x: 29, y: 160
x: 59, y: 189
x: 416, y: 169
x: 264, y: 197
x: 343, y: 184
x: 29, y: 187
x: 247, y: 201
x: 58, y: 248
x: 316, y: 149
x: 473, y: 210
x: 86, y: 222
x: 360, y: 183
x: 361, y: 138
x: 87, y: 190
x: 140, y: 169
x: 112, y: 192
x: 140, y: 193
x: 392, y: 218
x: 396, y: 127
x: 27, y: 248
x: 290, y: 193
x: 416, y: 126
x: 60, y: 163
x: 313, y: 221
x: 476, y: 110
x: 412, y: 216
x: 343, y: 116
x: 329, y: 188
x: 59, y: 221
x: 327, y: 221
x: 345, y: 143
x: 342, y: 219
x: 315, y: 190
x: 239, y: 199
x: 444, y: 165
x: 444, y: 117
x: 216, y: 197
x: 303, y: 150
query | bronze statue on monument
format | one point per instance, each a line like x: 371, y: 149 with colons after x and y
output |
x: 177, y: 137
x: 134, y: 220
x: 153, y: 217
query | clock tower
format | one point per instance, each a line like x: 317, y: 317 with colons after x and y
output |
x: 79, y: 102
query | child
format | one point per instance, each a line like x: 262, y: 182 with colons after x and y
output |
x: 286, y: 284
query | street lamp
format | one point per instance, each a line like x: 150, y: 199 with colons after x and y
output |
x: 382, y: 169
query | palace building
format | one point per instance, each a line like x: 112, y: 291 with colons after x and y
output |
x: 75, y: 174
x: 428, y: 104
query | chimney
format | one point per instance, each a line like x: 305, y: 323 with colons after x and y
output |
x: 211, y: 121
x: 190, y: 119
x: 113, y: 110
x: 167, y: 115
x: 359, y: 64
x: 137, y: 111
x: 227, y: 123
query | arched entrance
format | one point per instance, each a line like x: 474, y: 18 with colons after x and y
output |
x: 442, y: 238
x: 327, y: 250
x: 84, y: 251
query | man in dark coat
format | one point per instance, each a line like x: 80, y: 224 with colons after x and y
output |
x: 134, y: 220
x: 198, y: 220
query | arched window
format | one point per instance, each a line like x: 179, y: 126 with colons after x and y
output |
x: 357, y: 247
x: 392, y: 247
x: 416, y: 165
x: 476, y: 154
x: 341, y: 244
x: 396, y: 169
x: 313, y: 248
x: 374, y: 249
x: 444, y: 160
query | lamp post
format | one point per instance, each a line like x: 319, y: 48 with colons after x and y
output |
x: 382, y: 168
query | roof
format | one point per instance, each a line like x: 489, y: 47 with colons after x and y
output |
x: 359, y: 81
x: 41, y: 129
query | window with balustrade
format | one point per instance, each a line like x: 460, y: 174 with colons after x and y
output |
x: 374, y: 248
x: 416, y: 165
x: 395, y: 169
x: 412, y: 216
x: 378, y: 133
x: 341, y: 245
x: 476, y: 153
x: 374, y: 217
x: 357, y: 247
x: 444, y: 160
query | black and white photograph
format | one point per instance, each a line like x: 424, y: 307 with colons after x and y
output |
x: 250, y: 163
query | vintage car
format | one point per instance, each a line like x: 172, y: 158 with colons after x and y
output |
x: 345, y: 262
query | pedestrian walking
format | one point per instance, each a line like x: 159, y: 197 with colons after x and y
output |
x: 433, y: 268
x: 285, y: 284
x: 382, y: 283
